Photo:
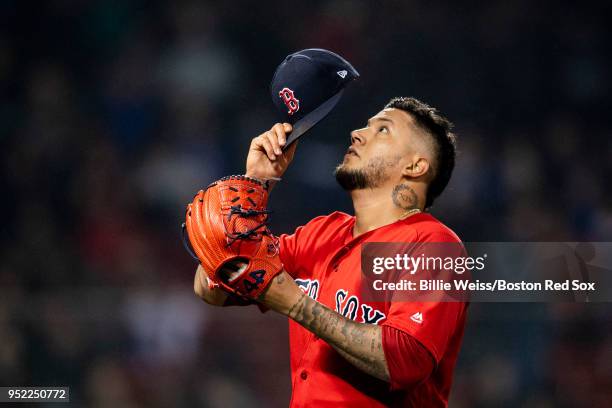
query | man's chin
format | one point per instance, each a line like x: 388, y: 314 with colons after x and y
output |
x: 350, y: 178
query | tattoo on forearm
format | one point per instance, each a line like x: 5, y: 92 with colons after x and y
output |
x: 405, y: 197
x: 376, y: 364
x: 359, y: 343
x: 297, y: 306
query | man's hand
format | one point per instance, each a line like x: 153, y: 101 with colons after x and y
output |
x: 266, y: 160
x: 215, y: 296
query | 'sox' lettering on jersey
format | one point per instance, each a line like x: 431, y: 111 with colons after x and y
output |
x: 349, y: 307
x: 341, y: 294
x: 309, y: 286
x: 371, y: 315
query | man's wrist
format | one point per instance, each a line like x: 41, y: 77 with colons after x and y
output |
x: 281, y: 294
x: 269, y: 182
x: 259, y: 176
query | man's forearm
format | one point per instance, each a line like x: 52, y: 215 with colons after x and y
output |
x: 359, y: 343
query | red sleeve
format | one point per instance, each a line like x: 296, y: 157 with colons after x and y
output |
x: 289, y: 250
x: 298, y: 250
x: 432, y: 323
x: 409, y: 362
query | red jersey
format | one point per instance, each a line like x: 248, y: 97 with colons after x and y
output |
x: 325, y: 261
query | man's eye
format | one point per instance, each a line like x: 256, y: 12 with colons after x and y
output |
x: 383, y: 129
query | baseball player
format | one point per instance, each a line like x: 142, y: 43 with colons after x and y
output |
x: 344, y: 350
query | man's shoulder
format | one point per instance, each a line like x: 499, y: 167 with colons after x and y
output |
x: 337, y: 218
x: 430, y: 229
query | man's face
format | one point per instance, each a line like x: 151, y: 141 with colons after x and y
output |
x: 379, y: 151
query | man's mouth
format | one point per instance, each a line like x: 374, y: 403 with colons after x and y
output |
x: 352, y: 150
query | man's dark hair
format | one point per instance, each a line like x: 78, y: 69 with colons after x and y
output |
x: 439, y: 128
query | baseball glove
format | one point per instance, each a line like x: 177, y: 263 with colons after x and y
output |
x: 227, y: 229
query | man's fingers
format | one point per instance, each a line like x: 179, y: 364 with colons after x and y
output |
x: 267, y: 145
x: 274, y: 141
x: 287, y: 129
x: 281, y: 130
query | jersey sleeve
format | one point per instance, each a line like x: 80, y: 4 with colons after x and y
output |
x: 432, y: 323
x: 289, y: 250
x: 298, y: 251
x: 409, y: 362
x: 294, y: 246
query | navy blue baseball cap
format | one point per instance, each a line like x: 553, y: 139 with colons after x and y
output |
x: 307, y: 85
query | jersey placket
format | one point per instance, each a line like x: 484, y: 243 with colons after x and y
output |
x: 303, y: 371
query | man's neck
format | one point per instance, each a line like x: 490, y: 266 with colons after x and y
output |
x: 375, y: 208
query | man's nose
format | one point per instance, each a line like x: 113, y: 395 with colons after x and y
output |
x: 357, y: 137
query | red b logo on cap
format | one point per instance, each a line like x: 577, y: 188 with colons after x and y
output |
x: 290, y: 101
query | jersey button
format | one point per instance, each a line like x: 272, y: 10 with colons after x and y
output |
x: 304, y: 375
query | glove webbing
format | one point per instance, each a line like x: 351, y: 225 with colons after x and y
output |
x: 246, y: 213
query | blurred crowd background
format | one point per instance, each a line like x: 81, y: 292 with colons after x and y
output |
x: 113, y: 113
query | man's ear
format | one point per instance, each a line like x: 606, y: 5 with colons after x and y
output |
x: 416, y: 168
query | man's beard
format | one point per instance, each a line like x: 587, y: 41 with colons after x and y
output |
x: 373, y: 175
